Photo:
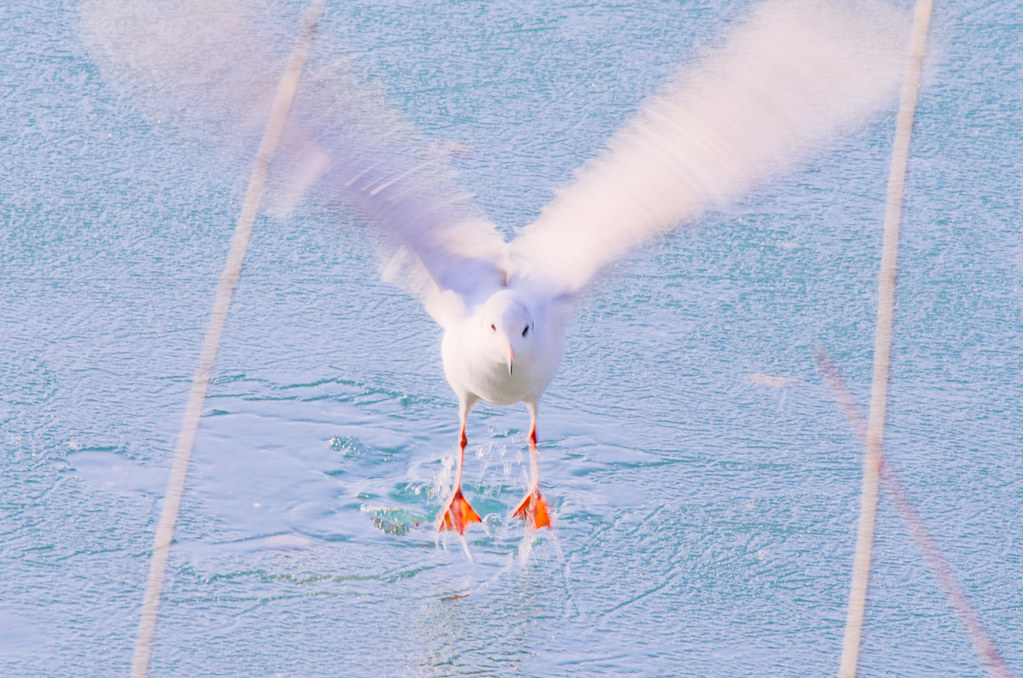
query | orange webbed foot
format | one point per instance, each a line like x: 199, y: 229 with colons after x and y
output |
x: 533, y: 510
x: 458, y: 514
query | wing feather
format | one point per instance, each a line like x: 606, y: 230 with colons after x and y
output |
x: 212, y: 68
x: 795, y: 74
x: 445, y: 251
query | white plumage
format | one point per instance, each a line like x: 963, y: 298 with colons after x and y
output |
x: 792, y: 76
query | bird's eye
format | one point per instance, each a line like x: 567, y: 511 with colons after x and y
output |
x: 493, y: 329
x: 525, y: 330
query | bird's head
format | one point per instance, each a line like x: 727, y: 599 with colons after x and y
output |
x: 507, y: 327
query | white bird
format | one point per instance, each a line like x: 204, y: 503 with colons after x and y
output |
x: 504, y: 351
x: 784, y: 82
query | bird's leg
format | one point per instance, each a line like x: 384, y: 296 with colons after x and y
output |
x: 458, y: 514
x: 533, y: 508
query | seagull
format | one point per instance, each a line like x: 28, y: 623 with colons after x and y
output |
x: 481, y: 350
x: 785, y: 82
x: 780, y: 86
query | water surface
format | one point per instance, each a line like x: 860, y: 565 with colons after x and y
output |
x: 704, y: 484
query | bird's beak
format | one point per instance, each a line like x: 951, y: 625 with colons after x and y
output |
x: 511, y: 360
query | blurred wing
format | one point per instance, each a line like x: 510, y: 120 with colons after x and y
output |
x: 792, y: 76
x: 212, y: 69
x: 357, y: 145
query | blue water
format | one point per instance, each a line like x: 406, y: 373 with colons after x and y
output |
x: 704, y: 514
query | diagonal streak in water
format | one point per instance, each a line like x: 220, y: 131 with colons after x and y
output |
x: 200, y: 382
x: 982, y: 642
x: 874, y: 430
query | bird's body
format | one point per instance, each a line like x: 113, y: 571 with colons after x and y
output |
x: 504, y: 351
x: 786, y: 81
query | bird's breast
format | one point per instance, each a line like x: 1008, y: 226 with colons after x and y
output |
x: 471, y: 371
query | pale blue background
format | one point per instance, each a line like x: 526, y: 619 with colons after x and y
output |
x: 704, y: 522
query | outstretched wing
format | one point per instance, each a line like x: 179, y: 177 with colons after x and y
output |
x: 213, y: 68
x: 343, y: 136
x: 792, y: 76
